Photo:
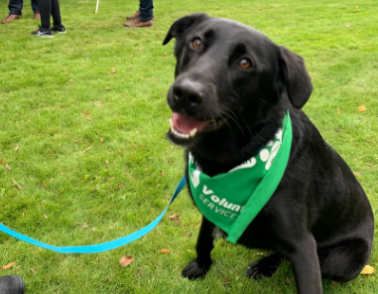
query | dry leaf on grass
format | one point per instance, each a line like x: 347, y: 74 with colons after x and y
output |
x: 361, y: 108
x: 190, y: 234
x: 125, y: 260
x: 162, y: 173
x: 88, y: 118
x: 174, y: 216
x: 86, y: 111
x: 76, y: 141
x: 367, y: 270
x: 348, y: 25
x: 1, y: 160
x: 8, y: 167
x: 338, y: 110
x: 84, y: 226
x: 101, y: 140
x: 137, y: 132
x: 166, y: 251
x: 113, y: 71
x: 89, y: 148
x: 98, y: 103
x: 18, y: 186
x: 226, y: 281
x: 93, y: 229
x: 44, y: 185
x: 17, y: 148
x: 8, y: 265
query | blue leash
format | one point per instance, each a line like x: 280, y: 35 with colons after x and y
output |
x: 99, y: 247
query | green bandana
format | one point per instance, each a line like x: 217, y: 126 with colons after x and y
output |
x: 232, y: 200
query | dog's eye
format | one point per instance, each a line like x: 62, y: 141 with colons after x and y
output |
x: 196, y: 43
x: 244, y: 63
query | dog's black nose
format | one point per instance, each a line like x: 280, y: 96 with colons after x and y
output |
x: 188, y: 93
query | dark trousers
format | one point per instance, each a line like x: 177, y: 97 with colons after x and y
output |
x: 47, y: 8
x: 15, y: 6
x: 145, y: 10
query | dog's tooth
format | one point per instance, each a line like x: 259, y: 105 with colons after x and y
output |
x: 193, y: 132
x: 171, y: 123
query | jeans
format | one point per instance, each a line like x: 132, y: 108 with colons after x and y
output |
x: 15, y: 6
x: 146, y: 10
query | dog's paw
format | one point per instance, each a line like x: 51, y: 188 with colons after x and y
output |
x: 194, y: 270
x: 264, y: 267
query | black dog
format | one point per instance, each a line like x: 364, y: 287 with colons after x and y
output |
x: 232, y: 89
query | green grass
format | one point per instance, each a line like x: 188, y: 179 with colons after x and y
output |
x: 48, y: 87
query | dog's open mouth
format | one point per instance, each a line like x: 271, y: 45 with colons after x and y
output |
x: 184, y: 127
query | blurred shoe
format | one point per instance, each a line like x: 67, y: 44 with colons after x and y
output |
x: 58, y: 29
x: 131, y: 17
x: 44, y: 33
x: 11, y: 285
x: 37, y: 16
x: 10, y: 18
x: 137, y: 23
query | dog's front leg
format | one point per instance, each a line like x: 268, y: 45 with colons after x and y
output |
x: 198, y: 267
x: 306, y: 266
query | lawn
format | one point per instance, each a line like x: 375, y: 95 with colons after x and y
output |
x: 83, y: 153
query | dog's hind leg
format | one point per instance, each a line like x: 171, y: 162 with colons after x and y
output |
x: 264, y: 267
x: 198, y: 267
x: 343, y: 262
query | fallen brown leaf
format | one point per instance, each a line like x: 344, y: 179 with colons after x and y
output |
x: 89, y: 148
x: 98, y: 103
x: 9, y: 265
x: 226, y: 281
x: 68, y: 134
x: 174, y: 216
x: 76, y: 141
x: 125, y: 260
x: 47, y: 278
x: 101, y: 140
x: 338, y: 110
x: 17, y: 148
x: 113, y: 71
x: 88, y: 118
x: 1, y: 161
x: 166, y: 251
x: 162, y: 173
x: 86, y: 111
x: 18, y: 186
x: 361, y: 108
x: 8, y: 167
x: 84, y: 226
x: 106, y: 280
x: 93, y: 229
x: 367, y: 270
x: 348, y: 25
x: 190, y: 234
x: 44, y: 185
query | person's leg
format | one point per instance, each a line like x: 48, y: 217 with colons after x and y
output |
x: 15, y: 7
x: 146, y: 10
x: 45, y: 11
x: 55, y: 11
x: 35, y: 7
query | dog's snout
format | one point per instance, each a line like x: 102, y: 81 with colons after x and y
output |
x: 188, y: 93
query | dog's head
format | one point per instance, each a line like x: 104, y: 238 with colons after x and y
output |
x: 228, y: 74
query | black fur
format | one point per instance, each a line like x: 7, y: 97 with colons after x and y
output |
x: 319, y: 218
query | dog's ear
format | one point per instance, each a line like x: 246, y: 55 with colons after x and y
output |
x: 183, y: 24
x: 295, y: 77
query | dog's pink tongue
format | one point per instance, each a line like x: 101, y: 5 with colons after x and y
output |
x: 186, y: 124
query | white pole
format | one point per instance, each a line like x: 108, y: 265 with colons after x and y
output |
x: 97, y: 6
